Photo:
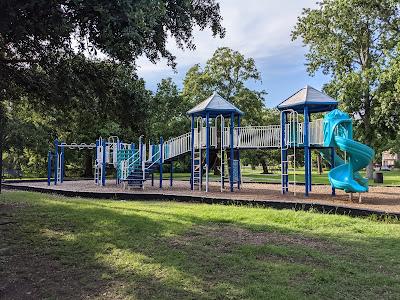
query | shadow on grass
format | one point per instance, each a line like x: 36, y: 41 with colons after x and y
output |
x: 153, y: 253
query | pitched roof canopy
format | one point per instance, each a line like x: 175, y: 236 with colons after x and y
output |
x: 315, y: 100
x: 214, y: 105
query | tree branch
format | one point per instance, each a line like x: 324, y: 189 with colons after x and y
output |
x: 17, y: 61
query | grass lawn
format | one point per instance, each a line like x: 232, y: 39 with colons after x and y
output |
x: 249, y: 175
x: 58, y: 247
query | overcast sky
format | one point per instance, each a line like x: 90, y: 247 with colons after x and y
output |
x: 259, y: 29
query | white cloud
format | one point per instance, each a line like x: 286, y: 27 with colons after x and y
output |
x: 258, y: 29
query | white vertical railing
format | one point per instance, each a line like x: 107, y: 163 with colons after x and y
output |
x: 213, y: 137
x: 294, y: 134
x: 254, y: 136
x: 247, y: 137
x: 177, y: 146
x: 317, y: 132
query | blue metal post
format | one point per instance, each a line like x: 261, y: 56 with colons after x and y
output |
x: 306, y: 150
x: 97, y: 145
x: 309, y: 161
x: 161, y: 161
x: 222, y: 154
x: 309, y: 170
x: 332, y: 166
x: 49, y: 154
x: 133, y: 148
x: 103, y: 173
x: 172, y: 173
x: 207, y: 149
x: 62, y: 164
x: 238, y: 157
x: 55, y: 161
x: 140, y: 152
x: 283, y: 152
x: 231, y: 152
x: 192, y: 155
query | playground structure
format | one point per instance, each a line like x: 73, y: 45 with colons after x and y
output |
x: 216, y: 135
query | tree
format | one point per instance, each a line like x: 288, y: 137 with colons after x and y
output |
x: 107, y: 98
x: 36, y: 35
x: 349, y: 40
x: 388, y: 119
x: 168, y: 111
x: 226, y: 72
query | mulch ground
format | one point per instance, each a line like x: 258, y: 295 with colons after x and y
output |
x: 386, y: 199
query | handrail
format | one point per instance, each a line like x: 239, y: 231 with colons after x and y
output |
x: 253, y: 137
x: 177, y: 146
x: 151, y: 159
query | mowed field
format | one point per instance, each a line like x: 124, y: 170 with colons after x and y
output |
x: 58, y: 247
x: 390, y: 178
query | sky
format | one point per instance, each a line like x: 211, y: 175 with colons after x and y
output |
x: 256, y: 28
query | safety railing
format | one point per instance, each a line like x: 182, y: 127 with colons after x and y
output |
x: 127, y: 162
x: 294, y: 134
x: 154, y: 158
x: 317, y: 132
x: 177, y: 146
x: 254, y: 137
x: 213, y: 137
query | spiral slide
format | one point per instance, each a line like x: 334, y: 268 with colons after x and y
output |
x: 345, y: 175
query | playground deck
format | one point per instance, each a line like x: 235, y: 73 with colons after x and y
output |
x: 383, y: 199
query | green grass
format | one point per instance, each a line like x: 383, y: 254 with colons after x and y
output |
x: 391, y: 178
x: 62, y: 247
x: 250, y: 175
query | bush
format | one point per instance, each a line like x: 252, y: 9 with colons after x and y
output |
x: 397, y: 164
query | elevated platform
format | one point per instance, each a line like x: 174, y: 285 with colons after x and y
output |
x: 247, y: 138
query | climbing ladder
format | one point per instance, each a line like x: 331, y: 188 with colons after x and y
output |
x: 291, y: 140
x: 197, y: 159
x: 98, y: 163
x: 223, y: 155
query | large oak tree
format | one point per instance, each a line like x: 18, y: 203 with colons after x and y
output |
x: 350, y: 40
x: 37, y: 35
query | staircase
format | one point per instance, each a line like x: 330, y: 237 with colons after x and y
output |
x: 138, y: 176
x: 136, y: 169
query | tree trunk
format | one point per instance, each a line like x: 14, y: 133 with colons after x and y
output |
x: 2, y: 124
x: 215, y: 162
x: 264, y: 166
x: 88, y: 165
x: 319, y: 164
x: 370, y: 170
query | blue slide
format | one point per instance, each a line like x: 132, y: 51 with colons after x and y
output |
x: 338, y: 133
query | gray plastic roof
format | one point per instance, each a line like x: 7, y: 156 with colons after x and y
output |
x: 214, y: 105
x: 308, y: 96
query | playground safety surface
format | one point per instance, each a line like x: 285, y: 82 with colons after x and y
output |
x: 380, y: 200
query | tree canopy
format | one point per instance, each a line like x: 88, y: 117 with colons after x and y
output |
x: 227, y: 72
x: 47, y: 50
x: 350, y: 41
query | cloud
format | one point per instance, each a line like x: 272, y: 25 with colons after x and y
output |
x: 256, y: 28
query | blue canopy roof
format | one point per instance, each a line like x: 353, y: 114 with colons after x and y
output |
x: 315, y: 100
x: 214, y: 105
